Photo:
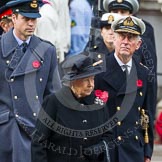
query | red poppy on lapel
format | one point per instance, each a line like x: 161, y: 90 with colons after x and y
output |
x: 139, y: 83
x: 101, y: 95
x: 98, y: 93
x: 36, y: 64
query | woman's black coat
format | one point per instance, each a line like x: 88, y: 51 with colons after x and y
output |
x: 56, y: 138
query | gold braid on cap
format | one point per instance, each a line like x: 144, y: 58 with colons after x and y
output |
x: 34, y: 4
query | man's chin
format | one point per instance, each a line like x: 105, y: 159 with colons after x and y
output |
x: 126, y: 53
x: 29, y: 33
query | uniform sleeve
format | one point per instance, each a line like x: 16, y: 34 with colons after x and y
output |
x: 148, y: 106
x: 147, y: 56
x: 53, y: 82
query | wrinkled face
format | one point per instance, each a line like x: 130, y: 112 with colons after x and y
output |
x: 121, y: 12
x: 6, y: 24
x: 83, y: 87
x: 23, y: 26
x: 126, y: 43
x: 107, y: 34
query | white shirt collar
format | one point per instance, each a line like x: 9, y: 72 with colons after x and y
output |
x: 129, y: 64
x: 19, y: 41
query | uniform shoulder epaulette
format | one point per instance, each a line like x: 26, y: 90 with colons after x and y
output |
x: 144, y: 65
x: 46, y: 41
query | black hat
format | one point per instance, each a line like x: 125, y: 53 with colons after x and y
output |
x: 129, y: 24
x: 4, y: 10
x: 83, y: 65
x: 27, y: 8
x: 130, y: 5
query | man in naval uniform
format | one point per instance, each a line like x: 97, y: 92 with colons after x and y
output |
x: 126, y: 81
x: 147, y: 51
x: 28, y: 74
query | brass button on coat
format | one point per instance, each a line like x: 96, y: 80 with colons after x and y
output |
x: 119, y: 138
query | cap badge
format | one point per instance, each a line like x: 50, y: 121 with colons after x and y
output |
x: 36, y: 64
x: 128, y: 22
x: 119, y: 1
x: 34, y: 4
x: 110, y: 19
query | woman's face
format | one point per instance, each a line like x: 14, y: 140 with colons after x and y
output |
x: 83, y: 87
x: 107, y: 34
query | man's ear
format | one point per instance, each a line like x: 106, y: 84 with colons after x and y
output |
x: 3, y: 25
x: 13, y: 18
x: 138, y: 44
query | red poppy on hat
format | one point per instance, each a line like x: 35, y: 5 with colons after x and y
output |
x: 139, y: 83
x: 36, y: 64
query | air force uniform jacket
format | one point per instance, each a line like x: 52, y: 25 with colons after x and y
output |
x: 24, y: 82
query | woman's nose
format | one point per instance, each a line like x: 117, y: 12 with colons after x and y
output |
x: 91, y: 82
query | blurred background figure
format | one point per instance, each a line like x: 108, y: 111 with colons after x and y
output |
x: 146, y: 54
x: 158, y: 128
x: 105, y: 45
x: 54, y: 25
x: 5, y: 17
x: 81, y: 15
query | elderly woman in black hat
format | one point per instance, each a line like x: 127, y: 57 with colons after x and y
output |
x: 71, y: 124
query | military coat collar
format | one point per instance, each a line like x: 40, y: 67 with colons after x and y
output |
x: 114, y: 76
x: 34, y: 53
x: 11, y: 45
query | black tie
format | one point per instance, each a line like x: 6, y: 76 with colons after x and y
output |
x: 125, y: 70
x: 24, y: 46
